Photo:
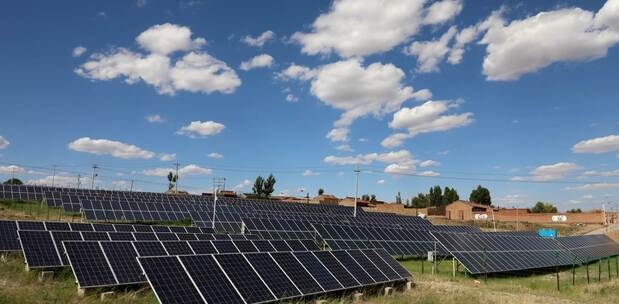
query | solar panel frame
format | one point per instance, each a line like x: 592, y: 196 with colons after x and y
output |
x: 90, y: 265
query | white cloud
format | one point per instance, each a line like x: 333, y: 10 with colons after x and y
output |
x: 359, y: 28
x: 61, y: 181
x: 215, y: 155
x: 598, y: 145
x: 11, y: 169
x: 428, y: 173
x: 549, y: 172
x: 428, y: 163
x: 530, y: 44
x: 296, y: 72
x: 243, y: 185
x: 430, y: 53
x: 425, y: 118
x: 464, y: 37
x: 186, y: 170
x: 4, y: 143
x: 79, y: 51
x: 595, y: 186
x: 362, y: 139
x: 260, y: 61
x: 260, y: 40
x: 109, y: 147
x: 195, y: 71
x: 154, y: 118
x: 291, y: 98
x: 309, y: 172
x: 167, y: 157
x: 344, y: 147
x: 610, y: 173
x: 398, y: 161
x: 201, y: 129
x: 404, y: 168
x: 338, y: 134
x: 380, y: 182
x: 141, y: 3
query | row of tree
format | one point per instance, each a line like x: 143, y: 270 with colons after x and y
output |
x: 264, y: 187
x: 434, y: 198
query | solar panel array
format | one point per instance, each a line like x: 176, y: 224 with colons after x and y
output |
x: 265, y: 277
x: 490, y: 253
x: 589, y: 248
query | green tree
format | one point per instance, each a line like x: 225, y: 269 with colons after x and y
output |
x: 365, y: 197
x: 269, y: 186
x: 420, y: 201
x: 13, y: 181
x: 398, y: 198
x: 542, y: 207
x: 435, y: 197
x: 321, y: 191
x: 574, y: 211
x: 481, y: 195
x: 373, y: 198
x: 172, y: 179
x: 450, y: 195
x: 258, y: 188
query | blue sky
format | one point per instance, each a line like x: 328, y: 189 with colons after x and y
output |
x: 518, y: 96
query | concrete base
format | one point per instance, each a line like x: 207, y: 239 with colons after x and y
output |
x: 388, y: 291
x: 3, y: 258
x: 45, y: 275
x: 107, y: 295
x: 81, y: 292
x: 357, y: 297
x: 321, y: 301
x: 409, y: 286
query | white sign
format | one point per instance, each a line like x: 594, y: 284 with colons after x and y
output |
x: 481, y: 217
x: 559, y: 218
x: 430, y: 256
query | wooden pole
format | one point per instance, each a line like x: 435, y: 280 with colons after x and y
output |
x: 587, y: 272
x: 422, y: 266
x: 599, y: 270
x: 557, y: 270
x: 453, y: 266
x: 608, y: 260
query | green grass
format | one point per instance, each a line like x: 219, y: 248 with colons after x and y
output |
x: 36, y: 210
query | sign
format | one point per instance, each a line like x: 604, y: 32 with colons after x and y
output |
x: 547, y: 233
x: 559, y: 218
x: 430, y: 256
x: 481, y: 216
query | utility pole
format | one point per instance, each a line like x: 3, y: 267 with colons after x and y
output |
x: 176, y: 183
x: 94, y: 174
x: 214, y: 207
x: 356, y: 189
x: 131, y: 189
x: 54, y: 176
x: 79, y: 180
x: 12, y: 175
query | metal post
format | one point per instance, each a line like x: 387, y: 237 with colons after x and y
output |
x: 453, y: 266
x: 214, y: 207
x: 616, y: 265
x: 587, y: 271
x: 131, y: 189
x: 356, y: 189
x: 422, y: 266
x: 485, y: 268
x: 574, y: 271
x: 557, y: 270
x: 176, y: 183
x: 94, y: 174
x: 54, y: 176
x: 599, y: 270
x: 608, y: 260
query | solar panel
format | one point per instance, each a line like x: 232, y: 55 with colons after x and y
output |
x: 382, y: 265
x: 30, y: 225
x: 81, y: 227
x: 295, y: 271
x: 367, y: 265
x: 39, y: 249
x: 403, y: 273
x: 89, y: 264
x: 202, y: 247
x: 247, y: 281
x: 57, y: 226
x: 59, y: 237
x: 589, y: 248
x: 263, y: 245
x: 245, y: 246
x: 121, y: 236
x: 336, y: 268
x: 169, y: 280
x: 8, y: 236
x: 145, y: 236
x: 166, y: 236
x: 122, y: 258
x: 210, y: 279
x: 103, y: 227
x: 225, y: 246
x: 95, y: 236
x: 320, y: 273
x: 279, y: 283
x: 177, y: 247
x: 353, y: 267
x: 150, y: 248
x: 280, y: 245
x: 296, y: 245
x: 310, y: 245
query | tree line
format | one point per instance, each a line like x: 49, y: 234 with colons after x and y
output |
x: 438, y: 196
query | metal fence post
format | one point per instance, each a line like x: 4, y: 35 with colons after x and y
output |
x: 557, y: 270
x: 587, y: 270
x: 599, y: 270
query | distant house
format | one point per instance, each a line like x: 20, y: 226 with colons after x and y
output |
x: 465, y: 211
x: 350, y: 202
x: 325, y: 199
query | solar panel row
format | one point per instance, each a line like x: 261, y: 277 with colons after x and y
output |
x: 589, y: 248
x: 265, y: 277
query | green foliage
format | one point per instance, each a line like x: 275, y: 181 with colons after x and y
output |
x: 172, y: 179
x: 435, y: 197
x: 481, y: 196
x: 13, y: 181
x: 269, y: 186
x: 420, y: 201
x: 574, y: 211
x: 373, y: 198
x: 450, y: 195
x: 542, y: 207
x: 258, y: 188
x: 398, y: 198
x: 321, y: 191
x: 365, y: 197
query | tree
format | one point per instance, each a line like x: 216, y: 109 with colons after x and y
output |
x: 269, y: 186
x: 420, y: 201
x: 574, y: 211
x: 258, y: 188
x: 435, y: 197
x: 398, y: 198
x: 365, y: 197
x: 542, y: 207
x: 13, y: 181
x: 373, y: 198
x: 450, y: 195
x: 481, y: 195
x: 172, y: 179
x: 321, y: 191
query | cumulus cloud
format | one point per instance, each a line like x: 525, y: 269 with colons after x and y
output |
x: 593, y: 173
x: 215, y: 155
x: 296, y: 72
x: 186, y: 170
x: 595, y: 186
x: 398, y: 161
x: 4, y: 143
x: 260, y: 40
x: 291, y: 98
x: 344, y: 147
x: 109, y: 147
x: 530, y: 44
x: 430, y: 53
x: 60, y: 181
x: 380, y: 182
x: 309, y: 172
x: 195, y: 71
x: 428, y: 163
x: 11, y: 169
x: 154, y: 118
x: 549, y: 172
x: 79, y: 51
x: 167, y: 157
x: 260, y: 61
x: 428, y: 173
x: 201, y: 129
x: 603, y: 144
x: 425, y: 118
x: 354, y: 28
x: 243, y: 184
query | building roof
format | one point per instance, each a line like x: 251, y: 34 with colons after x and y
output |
x: 472, y: 204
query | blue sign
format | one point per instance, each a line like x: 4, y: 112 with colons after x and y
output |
x: 547, y: 233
